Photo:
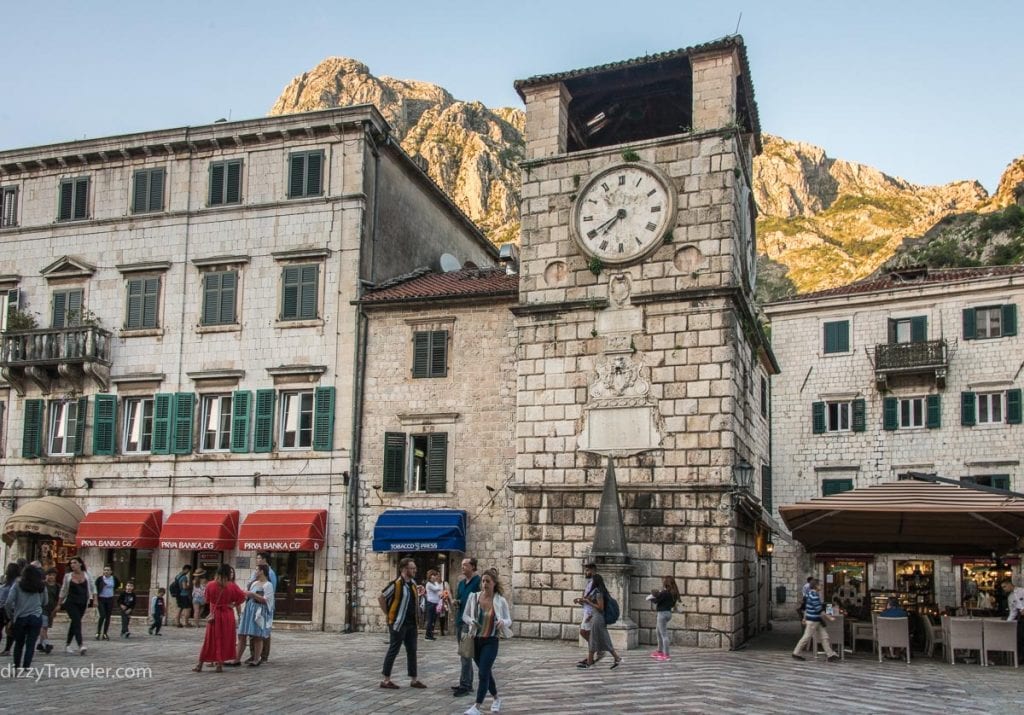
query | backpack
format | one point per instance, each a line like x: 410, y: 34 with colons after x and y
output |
x: 611, y: 609
x: 175, y: 589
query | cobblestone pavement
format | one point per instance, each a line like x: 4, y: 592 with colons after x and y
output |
x: 334, y: 673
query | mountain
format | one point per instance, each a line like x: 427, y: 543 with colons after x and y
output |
x: 822, y: 221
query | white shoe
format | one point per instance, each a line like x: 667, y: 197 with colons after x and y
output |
x: 496, y: 705
x: 71, y: 650
x: 82, y: 650
x: 472, y: 710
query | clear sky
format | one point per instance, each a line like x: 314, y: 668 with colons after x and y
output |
x: 930, y: 91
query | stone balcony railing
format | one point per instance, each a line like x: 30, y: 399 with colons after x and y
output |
x: 44, y: 355
x: 929, y: 357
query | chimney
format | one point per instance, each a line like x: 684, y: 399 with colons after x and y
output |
x: 509, y: 255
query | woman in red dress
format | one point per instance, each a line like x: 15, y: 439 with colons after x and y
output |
x: 223, y: 597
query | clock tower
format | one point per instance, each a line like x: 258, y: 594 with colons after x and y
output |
x: 640, y: 356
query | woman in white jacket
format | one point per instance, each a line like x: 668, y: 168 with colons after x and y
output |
x: 488, y: 618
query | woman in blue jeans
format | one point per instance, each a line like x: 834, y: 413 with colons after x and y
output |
x: 24, y: 608
x: 488, y: 618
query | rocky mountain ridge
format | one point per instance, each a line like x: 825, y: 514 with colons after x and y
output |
x: 822, y: 221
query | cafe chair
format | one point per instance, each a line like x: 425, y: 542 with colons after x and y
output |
x: 933, y: 635
x: 892, y: 633
x: 999, y: 637
x: 965, y: 634
x: 863, y: 631
x: 835, y: 635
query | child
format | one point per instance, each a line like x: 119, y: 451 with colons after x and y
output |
x: 198, y: 598
x: 49, y: 611
x: 157, y: 609
x: 126, y: 604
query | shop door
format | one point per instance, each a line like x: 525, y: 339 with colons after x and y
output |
x: 133, y: 565
x: 293, y: 600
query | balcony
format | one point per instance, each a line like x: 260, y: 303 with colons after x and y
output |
x: 930, y: 358
x: 46, y: 355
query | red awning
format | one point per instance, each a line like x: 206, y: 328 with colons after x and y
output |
x: 299, y: 530
x: 121, y: 529
x: 200, y: 530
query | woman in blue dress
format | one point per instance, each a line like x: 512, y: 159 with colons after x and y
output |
x: 255, y: 621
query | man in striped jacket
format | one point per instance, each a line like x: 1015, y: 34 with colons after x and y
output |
x: 812, y: 621
x: 398, y: 601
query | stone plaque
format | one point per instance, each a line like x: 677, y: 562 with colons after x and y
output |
x: 623, y: 430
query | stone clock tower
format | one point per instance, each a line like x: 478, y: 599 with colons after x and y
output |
x: 640, y: 358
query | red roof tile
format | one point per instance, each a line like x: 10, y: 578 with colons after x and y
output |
x: 464, y: 283
x: 907, y: 279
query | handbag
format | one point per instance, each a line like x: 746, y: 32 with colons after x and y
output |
x: 467, y: 647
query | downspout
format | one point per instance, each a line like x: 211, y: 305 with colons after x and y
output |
x: 359, y: 355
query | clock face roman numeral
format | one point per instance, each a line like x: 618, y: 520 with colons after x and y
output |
x: 591, y: 218
x: 606, y: 187
x: 622, y: 179
x: 621, y: 248
x: 652, y: 192
x: 651, y: 226
x: 638, y: 241
x: 591, y: 234
x: 604, y: 245
x: 654, y: 210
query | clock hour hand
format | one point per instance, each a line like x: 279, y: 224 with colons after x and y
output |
x: 607, y: 225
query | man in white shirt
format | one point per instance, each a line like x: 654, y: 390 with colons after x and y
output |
x: 1015, y: 602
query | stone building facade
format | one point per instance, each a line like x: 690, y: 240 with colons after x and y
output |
x: 912, y: 372
x: 182, y: 335
x: 640, y: 346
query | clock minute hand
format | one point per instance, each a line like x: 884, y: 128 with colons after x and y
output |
x: 607, y: 225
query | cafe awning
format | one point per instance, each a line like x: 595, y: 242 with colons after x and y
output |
x: 283, y: 530
x: 54, y: 517
x: 121, y: 529
x: 932, y: 516
x: 200, y: 530
x: 420, y: 530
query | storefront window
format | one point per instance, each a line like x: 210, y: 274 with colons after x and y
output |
x: 849, y: 581
x: 980, y: 594
x: 915, y: 583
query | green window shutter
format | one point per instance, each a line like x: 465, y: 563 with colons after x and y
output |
x: 437, y: 462
x: 228, y: 287
x: 835, y: 486
x: 919, y: 329
x: 970, y: 324
x: 263, y: 427
x: 290, y: 293
x: 830, y: 338
x: 240, y: 401
x: 968, y: 409
x: 181, y: 432
x: 439, y: 353
x: 296, y: 178
x: 58, y: 315
x: 74, y: 308
x: 233, y: 189
x: 32, y: 436
x: 1013, y: 416
x: 890, y: 407
x: 892, y: 331
x: 216, y: 184
x: 308, y: 279
x: 314, y: 172
x: 394, y: 462
x: 323, y: 419
x: 933, y: 412
x: 1009, y: 319
x: 163, y: 407
x: 858, y: 423
x: 80, y: 416
x: 420, y: 354
x: 817, y: 417
x: 66, y: 204
x: 156, y: 190
x: 136, y: 290
x: 1001, y: 481
x: 766, y: 487
x: 150, y: 302
x: 141, y: 191
x: 843, y: 336
x: 104, y: 424
x: 211, y: 298
x: 81, y: 198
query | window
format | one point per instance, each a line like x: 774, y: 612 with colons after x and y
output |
x: 74, y: 199
x: 216, y: 435
x: 990, y: 408
x: 296, y: 420
x: 430, y: 353
x: 764, y: 397
x: 990, y: 322
x: 766, y: 487
x: 415, y: 463
x: 838, y: 416
x: 835, y: 486
x: 995, y: 481
x: 226, y: 182
x: 8, y: 206
x: 908, y: 330
x: 138, y: 425
x: 837, y: 336
x: 911, y: 412
x: 172, y: 422
x: 67, y: 308
x: 67, y: 425
x: 143, y: 301
x: 305, y: 171
x: 149, y: 191
x: 219, y: 296
x: 299, y: 295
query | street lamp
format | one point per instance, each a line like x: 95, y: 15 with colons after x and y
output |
x: 742, y: 475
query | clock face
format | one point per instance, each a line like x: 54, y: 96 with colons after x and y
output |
x: 622, y: 213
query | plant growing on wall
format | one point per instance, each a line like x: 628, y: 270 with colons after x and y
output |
x: 630, y: 155
x: 21, y: 320
x: 596, y: 265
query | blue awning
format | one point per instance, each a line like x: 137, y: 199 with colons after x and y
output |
x: 420, y: 530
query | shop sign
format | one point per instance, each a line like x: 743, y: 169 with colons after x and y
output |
x: 188, y: 545
x: 108, y: 543
x: 414, y: 546
x: 263, y: 545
